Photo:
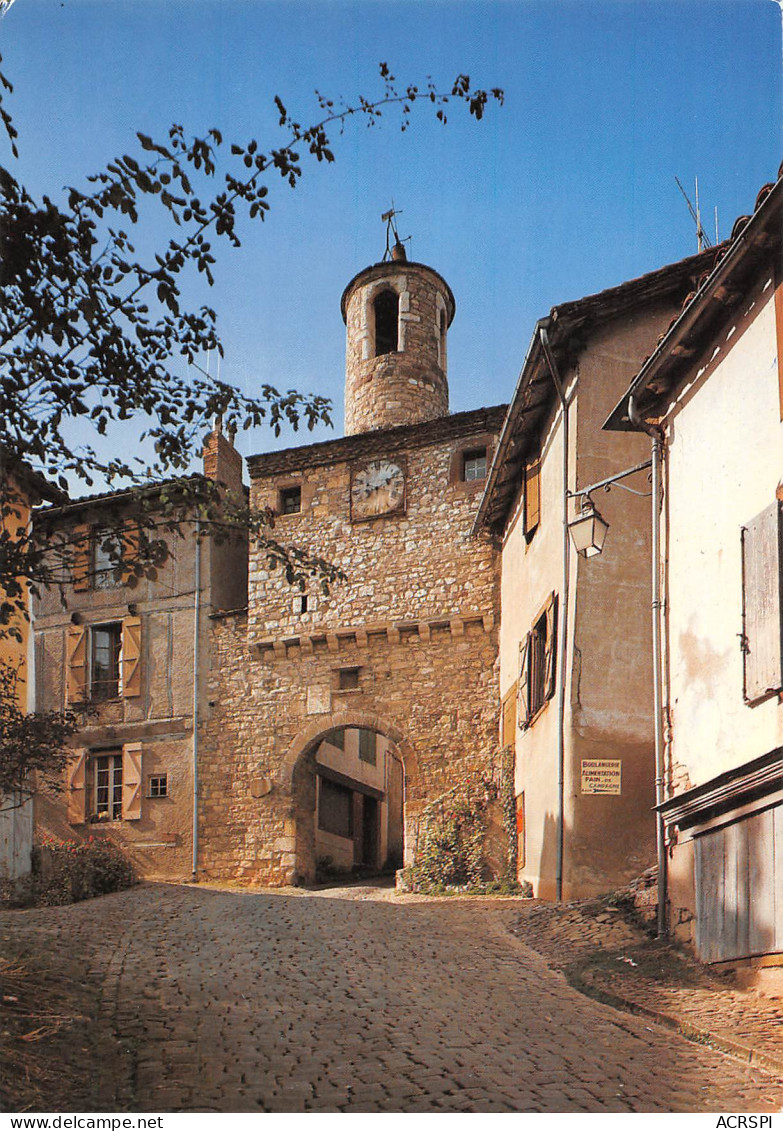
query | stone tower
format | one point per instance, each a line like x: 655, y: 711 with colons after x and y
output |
x: 397, y: 316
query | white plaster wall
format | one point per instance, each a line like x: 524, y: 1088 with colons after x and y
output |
x: 725, y: 463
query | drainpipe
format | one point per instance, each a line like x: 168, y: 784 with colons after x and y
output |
x: 196, y: 626
x: 656, y: 436
x: 556, y: 380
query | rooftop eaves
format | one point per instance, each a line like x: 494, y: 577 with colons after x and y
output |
x: 569, y: 325
x: 753, y: 243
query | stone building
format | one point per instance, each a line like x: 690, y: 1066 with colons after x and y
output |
x: 131, y: 656
x: 712, y: 393
x: 335, y: 719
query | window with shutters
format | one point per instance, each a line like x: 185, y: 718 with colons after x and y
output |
x: 532, y: 484
x: 103, y: 661
x: 107, y: 786
x: 762, y: 605
x: 537, y: 663
x: 105, y: 647
x: 104, y: 785
x: 101, y: 555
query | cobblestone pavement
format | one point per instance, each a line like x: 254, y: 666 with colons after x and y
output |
x: 231, y: 1001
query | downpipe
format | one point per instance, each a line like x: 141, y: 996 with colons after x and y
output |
x: 196, y: 651
x: 656, y: 436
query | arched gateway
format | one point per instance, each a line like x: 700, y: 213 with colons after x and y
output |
x: 347, y: 776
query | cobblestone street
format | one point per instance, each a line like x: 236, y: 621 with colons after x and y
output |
x: 226, y: 1001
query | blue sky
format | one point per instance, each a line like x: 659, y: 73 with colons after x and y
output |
x: 567, y: 189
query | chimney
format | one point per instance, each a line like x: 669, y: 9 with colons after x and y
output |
x: 222, y: 462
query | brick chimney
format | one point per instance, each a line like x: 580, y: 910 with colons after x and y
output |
x: 222, y: 462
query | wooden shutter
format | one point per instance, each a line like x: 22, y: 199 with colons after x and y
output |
x: 131, y: 782
x: 82, y: 555
x: 762, y: 604
x: 131, y: 657
x: 76, y: 679
x: 523, y: 687
x: 508, y: 718
x: 550, y: 654
x: 532, y: 494
x: 130, y: 550
x: 76, y: 787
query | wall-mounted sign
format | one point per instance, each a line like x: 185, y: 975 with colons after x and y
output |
x: 600, y: 776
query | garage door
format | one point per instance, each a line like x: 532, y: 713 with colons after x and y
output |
x: 739, y: 888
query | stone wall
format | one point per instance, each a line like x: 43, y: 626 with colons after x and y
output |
x: 409, y: 384
x: 416, y: 615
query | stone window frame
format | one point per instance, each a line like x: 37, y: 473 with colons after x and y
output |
x: 470, y: 444
x: 365, y: 339
x: 284, y: 491
x: 347, y: 670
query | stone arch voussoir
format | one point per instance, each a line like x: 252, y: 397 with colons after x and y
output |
x: 307, y: 739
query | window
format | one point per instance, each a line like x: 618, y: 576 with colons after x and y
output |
x: 762, y: 604
x: 103, y: 661
x: 106, y: 553
x: 105, y: 645
x: 335, y: 808
x: 474, y: 465
x: 104, y: 785
x: 532, y: 496
x: 158, y: 786
x: 336, y: 738
x: 537, y: 664
x: 107, y: 786
x: 290, y: 500
x: 348, y: 679
x: 368, y: 746
x: 386, y: 308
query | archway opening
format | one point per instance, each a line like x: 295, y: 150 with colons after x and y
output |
x: 358, y: 804
x: 386, y: 309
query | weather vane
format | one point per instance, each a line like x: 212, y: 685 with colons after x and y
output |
x: 388, y: 219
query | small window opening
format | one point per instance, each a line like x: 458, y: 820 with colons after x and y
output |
x: 159, y: 786
x: 368, y: 747
x: 442, y: 327
x: 386, y: 308
x: 290, y: 500
x: 474, y: 465
x: 349, y: 679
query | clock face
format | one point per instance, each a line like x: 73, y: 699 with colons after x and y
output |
x: 378, y: 488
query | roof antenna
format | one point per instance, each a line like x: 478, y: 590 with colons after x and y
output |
x: 397, y: 249
x: 701, y: 236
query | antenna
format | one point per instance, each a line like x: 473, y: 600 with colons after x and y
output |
x: 701, y: 236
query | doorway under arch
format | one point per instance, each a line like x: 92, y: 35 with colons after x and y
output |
x: 349, y: 777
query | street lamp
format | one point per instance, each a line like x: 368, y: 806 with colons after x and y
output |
x: 588, y: 529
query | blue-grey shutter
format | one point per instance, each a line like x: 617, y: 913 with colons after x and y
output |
x: 762, y: 604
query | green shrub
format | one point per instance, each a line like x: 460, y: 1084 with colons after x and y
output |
x: 69, y: 871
